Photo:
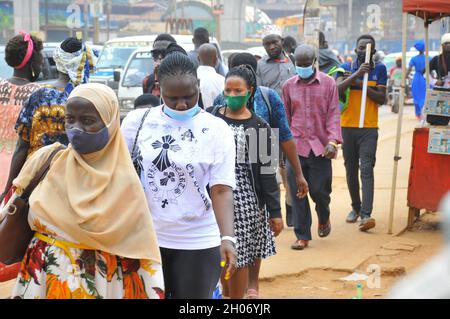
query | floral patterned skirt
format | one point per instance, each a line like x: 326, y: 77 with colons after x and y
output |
x: 47, y: 272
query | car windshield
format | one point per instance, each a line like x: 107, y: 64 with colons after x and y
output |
x: 5, y: 70
x: 114, y: 57
x: 140, y: 66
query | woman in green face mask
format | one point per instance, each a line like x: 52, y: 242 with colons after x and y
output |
x: 238, y: 92
x: 256, y: 197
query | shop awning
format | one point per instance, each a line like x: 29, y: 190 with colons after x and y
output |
x: 428, y: 10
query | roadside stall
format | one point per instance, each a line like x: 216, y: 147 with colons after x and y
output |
x: 429, y: 178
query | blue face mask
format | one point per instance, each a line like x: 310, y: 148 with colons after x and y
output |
x: 86, y: 143
x: 305, y: 73
x: 181, y: 115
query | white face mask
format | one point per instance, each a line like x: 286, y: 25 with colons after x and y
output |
x: 181, y: 115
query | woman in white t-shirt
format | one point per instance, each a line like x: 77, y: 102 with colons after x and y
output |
x: 178, y: 150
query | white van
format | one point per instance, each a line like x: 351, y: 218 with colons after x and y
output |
x: 139, y: 65
x: 115, y: 55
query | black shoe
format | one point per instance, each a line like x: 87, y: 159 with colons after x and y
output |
x: 324, y: 230
x: 366, y: 223
x: 352, y: 217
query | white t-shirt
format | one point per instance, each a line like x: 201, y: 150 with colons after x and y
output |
x: 178, y: 160
x: 211, y: 84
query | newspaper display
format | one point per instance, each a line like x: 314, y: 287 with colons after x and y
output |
x: 439, y: 141
x: 437, y: 103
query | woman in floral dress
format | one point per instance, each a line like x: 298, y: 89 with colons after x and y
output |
x: 41, y: 120
x: 23, y: 53
x: 94, y: 235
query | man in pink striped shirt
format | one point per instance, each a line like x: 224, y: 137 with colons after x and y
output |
x: 312, y: 109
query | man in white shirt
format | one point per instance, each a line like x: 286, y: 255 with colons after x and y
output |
x: 211, y: 83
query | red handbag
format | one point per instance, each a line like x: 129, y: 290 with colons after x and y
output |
x: 15, y: 232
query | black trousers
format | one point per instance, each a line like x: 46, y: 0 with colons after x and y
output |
x: 359, y: 150
x: 318, y: 173
x: 190, y: 274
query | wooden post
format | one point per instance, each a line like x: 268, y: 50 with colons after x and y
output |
x: 399, y: 125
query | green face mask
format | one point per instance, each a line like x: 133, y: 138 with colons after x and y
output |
x: 237, y: 102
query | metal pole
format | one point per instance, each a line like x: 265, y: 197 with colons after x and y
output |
x: 96, y: 30
x: 399, y: 124
x: 240, y: 18
x: 175, y: 5
x: 86, y: 21
x: 182, y: 8
x: 46, y: 20
x: 350, y: 12
x: 427, y: 54
x: 218, y: 25
x: 108, y: 18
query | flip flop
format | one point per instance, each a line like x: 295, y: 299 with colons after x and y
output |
x: 252, y: 294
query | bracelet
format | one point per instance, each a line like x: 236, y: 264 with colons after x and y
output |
x: 333, y: 143
x: 229, y: 238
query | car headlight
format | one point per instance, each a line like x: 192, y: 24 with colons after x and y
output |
x: 127, y: 104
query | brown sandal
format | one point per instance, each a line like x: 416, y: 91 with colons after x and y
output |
x: 300, y: 244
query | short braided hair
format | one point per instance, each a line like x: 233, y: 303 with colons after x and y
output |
x: 246, y: 73
x: 174, y: 65
x: 16, y: 49
x: 202, y: 35
x: 367, y: 37
x: 174, y: 47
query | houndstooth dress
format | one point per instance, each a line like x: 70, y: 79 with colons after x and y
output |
x: 255, y: 239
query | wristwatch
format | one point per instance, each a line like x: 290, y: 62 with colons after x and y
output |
x: 229, y: 238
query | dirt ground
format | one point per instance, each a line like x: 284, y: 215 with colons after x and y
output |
x: 413, y: 249
x: 315, y: 271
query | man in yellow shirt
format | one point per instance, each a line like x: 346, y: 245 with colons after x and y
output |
x: 360, y: 128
